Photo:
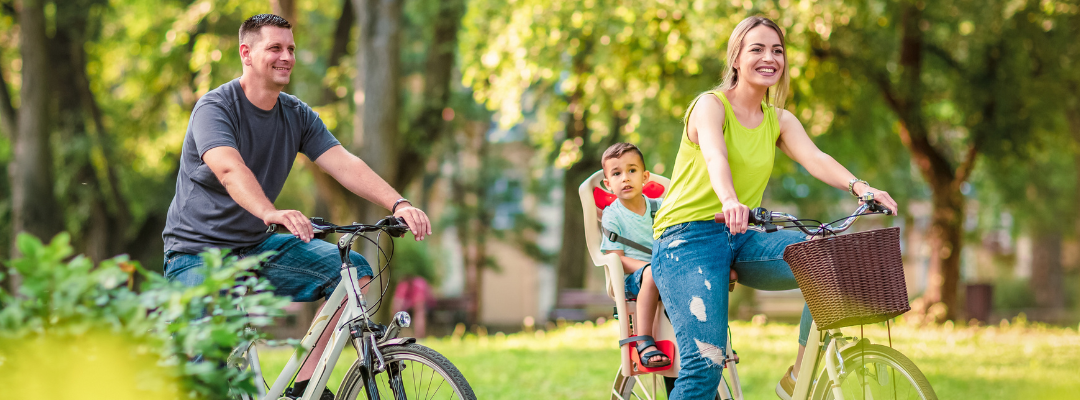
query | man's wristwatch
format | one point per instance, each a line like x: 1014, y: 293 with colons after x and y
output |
x: 393, y: 208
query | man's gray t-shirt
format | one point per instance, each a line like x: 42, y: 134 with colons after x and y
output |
x: 202, y: 214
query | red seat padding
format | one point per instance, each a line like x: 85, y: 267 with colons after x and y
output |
x: 603, y: 198
x: 653, y: 190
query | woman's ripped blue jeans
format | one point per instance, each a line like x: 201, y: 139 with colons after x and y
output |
x: 691, y: 266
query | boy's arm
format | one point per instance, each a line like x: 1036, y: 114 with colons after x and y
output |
x: 629, y: 265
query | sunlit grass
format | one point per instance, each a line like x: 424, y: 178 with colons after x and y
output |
x: 578, y: 361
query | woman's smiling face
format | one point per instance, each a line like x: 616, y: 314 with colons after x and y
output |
x: 761, y: 59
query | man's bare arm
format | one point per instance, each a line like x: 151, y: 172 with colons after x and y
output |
x: 354, y: 174
x: 242, y: 186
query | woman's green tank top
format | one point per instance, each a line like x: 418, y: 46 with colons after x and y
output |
x: 750, y: 156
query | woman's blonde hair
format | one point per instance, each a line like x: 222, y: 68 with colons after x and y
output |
x: 731, y: 75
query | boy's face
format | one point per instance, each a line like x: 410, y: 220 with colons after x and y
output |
x: 626, y: 175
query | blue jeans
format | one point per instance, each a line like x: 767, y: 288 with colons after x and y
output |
x: 302, y: 271
x: 691, y: 267
x: 632, y: 283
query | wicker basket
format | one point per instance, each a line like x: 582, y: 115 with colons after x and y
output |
x: 851, y: 279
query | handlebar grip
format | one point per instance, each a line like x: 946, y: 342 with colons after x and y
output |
x: 758, y: 216
x: 394, y: 226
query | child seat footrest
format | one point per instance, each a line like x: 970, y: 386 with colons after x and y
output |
x: 665, y: 346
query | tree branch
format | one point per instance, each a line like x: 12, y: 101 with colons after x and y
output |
x: 943, y: 55
x: 967, y: 165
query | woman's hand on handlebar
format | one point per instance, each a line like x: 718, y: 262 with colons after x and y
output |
x: 294, y: 221
x: 883, y: 198
x: 735, y: 215
x: 416, y: 219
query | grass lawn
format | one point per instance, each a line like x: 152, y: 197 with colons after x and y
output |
x: 579, y: 361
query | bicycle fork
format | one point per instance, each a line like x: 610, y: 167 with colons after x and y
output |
x: 372, y: 361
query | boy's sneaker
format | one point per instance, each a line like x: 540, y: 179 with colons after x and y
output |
x: 786, y: 387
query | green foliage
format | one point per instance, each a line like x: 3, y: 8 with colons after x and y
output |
x: 412, y: 258
x: 1013, y: 294
x: 69, y: 297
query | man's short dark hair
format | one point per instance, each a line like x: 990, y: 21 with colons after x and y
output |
x: 249, y: 30
x: 618, y: 150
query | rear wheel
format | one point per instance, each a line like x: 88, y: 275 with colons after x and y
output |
x: 644, y: 386
x: 412, y: 372
x: 876, y: 372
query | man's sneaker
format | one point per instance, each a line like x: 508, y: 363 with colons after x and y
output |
x: 786, y: 387
x: 298, y: 388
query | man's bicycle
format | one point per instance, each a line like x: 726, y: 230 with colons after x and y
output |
x: 847, y: 280
x: 387, y: 366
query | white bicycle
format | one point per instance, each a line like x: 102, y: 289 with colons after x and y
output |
x: 387, y: 366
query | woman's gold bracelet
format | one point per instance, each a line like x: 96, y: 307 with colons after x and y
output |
x: 851, y: 186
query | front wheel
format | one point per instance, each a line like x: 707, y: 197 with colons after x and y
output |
x: 412, y: 372
x: 878, y: 372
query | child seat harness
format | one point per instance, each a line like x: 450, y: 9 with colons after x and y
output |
x: 654, y: 205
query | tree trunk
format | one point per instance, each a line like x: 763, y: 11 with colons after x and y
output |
x: 80, y: 123
x: 945, y: 241
x: 468, y: 186
x: 285, y: 9
x: 1073, y: 116
x: 572, y: 263
x: 340, y: 46
x: 906, y: 99
x: 376, y: 118
x: 333, y: 200
x: 433, y: 122
x: 1047, y: 277
x: 34, y: 206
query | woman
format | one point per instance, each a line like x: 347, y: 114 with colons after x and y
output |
x: 728, y: 146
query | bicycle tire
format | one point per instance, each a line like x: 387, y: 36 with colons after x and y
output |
x: 426, y: 368
x: 878, y: 380
x: 646, y: 386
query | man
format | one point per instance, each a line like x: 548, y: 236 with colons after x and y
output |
x: 241, y: 142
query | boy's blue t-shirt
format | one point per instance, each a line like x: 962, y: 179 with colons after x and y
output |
x: 630, y: 225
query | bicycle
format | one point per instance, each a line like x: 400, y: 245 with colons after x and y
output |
x: 880, y: 372
x: 387, y: 365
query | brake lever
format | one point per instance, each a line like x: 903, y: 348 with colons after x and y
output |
x: 393, y: 226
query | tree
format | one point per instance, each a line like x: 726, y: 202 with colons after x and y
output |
x: 582, y: 76
x: 950, y: 105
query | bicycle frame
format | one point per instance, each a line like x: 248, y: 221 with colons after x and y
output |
x: 804, y: 385
x: 338, y: 339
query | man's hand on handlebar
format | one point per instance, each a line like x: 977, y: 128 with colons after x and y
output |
x: 416, y: 219
x: 294, y: 221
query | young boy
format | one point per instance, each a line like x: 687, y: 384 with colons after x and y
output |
x: 631, y: 218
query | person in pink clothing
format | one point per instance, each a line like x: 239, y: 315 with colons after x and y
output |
x: 414, y: 293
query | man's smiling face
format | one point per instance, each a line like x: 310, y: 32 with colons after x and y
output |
x: 270, y: 56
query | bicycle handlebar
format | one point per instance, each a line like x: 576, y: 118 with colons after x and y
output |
x: 393, y: 226
x: 763, y: 219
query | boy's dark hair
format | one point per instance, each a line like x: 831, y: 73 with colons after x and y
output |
x: 618, y: 150
x: 249, y: 30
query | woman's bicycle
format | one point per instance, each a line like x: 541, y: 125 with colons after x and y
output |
x: 387, y: 366
x: 847, y: 280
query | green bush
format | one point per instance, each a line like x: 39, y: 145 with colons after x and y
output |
x: 68, y: 301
